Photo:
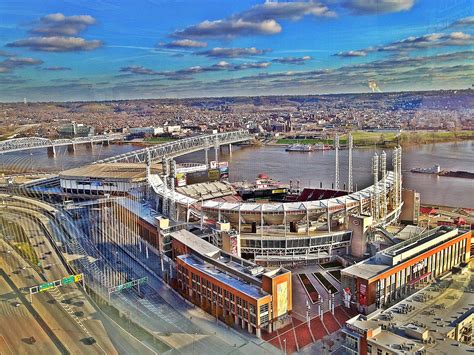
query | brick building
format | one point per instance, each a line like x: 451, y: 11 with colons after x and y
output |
x: 391, y: 274
x: 236, y: 291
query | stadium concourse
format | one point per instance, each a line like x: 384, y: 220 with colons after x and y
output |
x: 297, y: 335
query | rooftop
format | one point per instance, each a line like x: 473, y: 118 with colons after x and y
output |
x: 396, y: 343
x: 249, y: 289
x: 417, y: 240
x: 113, y: 171
x: 408, y: 232
x: 142, y: 210
x: 438, y: 308
x: 384, y: 260
x: 195, y: 243
x: 231, y: 264
x: 366, y: 269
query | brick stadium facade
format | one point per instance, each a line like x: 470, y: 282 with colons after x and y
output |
x: 230, y: 288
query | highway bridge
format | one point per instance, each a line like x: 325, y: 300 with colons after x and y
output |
x: 181, y: 147
x: 26, y: 143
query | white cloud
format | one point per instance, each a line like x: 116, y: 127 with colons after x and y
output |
x: 56, y: 44
x: 286, y: 10
x: 466, y: 21
x: 229, y: 28
x: 60, y: 25
x: 219, y: 52
x: 364, y: 7
x: 185, y: 43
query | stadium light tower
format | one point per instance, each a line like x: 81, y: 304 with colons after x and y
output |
x: 375, y: 173
x: 336, y: 147
x: 383, y: 170
x: 399, y: 177
x: 350, y: 187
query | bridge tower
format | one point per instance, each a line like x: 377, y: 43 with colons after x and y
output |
x: 52, y: 151
x: 71, y: 148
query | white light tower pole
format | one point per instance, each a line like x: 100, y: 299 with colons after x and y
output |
x: 399, y: 179
x: 394, y: 193
x: 308, y: 313
x: 375, y: 173
x: 336, y: 147
x: 206, y: 156
x: 172, y: 208
x: 350, y: 187
x: 383, y: 197
x: 165, y: 185
x: 216, y: 151
x: 397, y: 172
x: 320, y: 307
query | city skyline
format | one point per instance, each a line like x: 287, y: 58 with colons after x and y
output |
x: 103, y: 51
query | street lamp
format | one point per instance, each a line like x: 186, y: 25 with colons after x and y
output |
x: 284, y: 342
x: 308, y: 313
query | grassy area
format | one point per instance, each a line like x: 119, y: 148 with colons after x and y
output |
x: 6, y: 132
x: 16, y: 236
x: 27, y: 252
x: 156, y: 140
x: 390, y: 139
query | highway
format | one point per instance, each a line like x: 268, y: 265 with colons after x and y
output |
x: 66, y: 310
x: 18, y: 325
x: 187, y: 329
x: 158, y: 309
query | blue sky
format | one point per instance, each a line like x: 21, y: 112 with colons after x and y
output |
x: 103, y: 50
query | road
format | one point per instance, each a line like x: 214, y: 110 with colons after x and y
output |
x: 18, y: 325
x: 160, y: 311
x: 66, y: 310
x: 187, y: 329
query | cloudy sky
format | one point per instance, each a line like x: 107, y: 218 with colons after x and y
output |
x: 108, y: 49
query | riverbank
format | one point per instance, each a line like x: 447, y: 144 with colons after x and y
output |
x: 388, y: 139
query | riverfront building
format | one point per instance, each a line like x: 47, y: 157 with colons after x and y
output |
x: 391, y: 274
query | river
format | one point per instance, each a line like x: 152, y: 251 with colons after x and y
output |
x: 311, y: 169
